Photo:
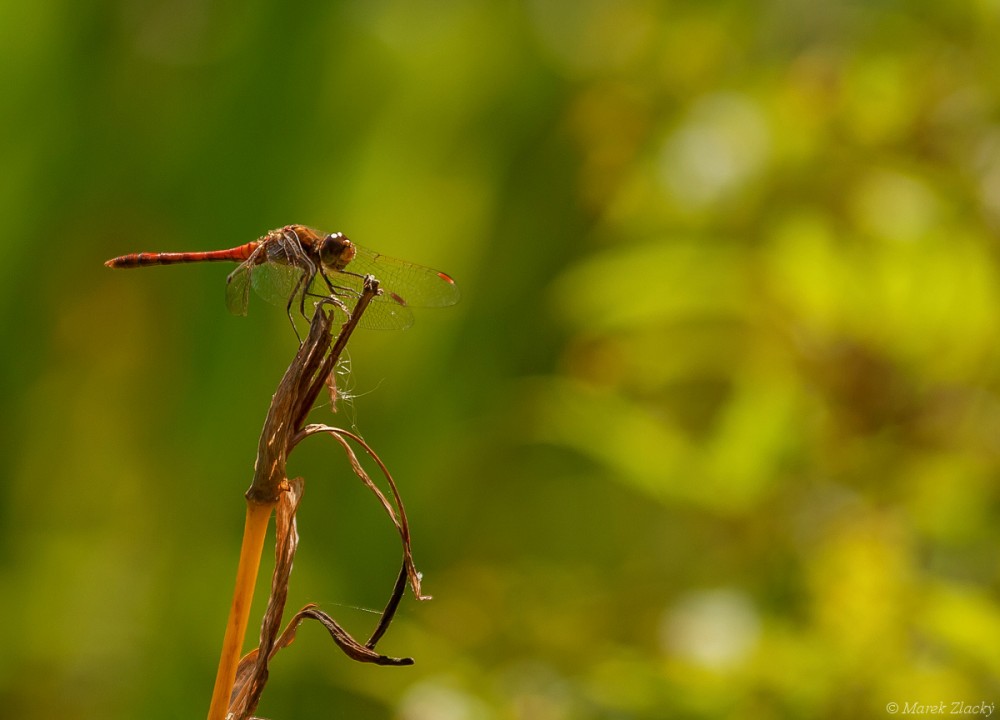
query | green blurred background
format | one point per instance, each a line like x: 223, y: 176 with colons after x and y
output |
x: 714, y: 432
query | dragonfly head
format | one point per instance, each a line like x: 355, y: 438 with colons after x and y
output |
x: 336, y: 251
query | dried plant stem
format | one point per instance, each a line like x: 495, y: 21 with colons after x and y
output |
x: 254, y: 531
x: 296, y: 393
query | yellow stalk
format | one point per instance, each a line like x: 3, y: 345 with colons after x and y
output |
x: 258, y: 515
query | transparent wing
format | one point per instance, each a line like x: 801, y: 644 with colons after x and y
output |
x: 238, y: 289
x: 274, y: 283
x: 405, y: 282
x: 383, y: 313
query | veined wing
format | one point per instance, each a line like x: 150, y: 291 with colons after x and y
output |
x: 273, y: 282
x: 383, y: 313
x: 404, y: 282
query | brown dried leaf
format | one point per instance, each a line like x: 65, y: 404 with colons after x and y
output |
x: 397, y: 514
x: 351, y: 647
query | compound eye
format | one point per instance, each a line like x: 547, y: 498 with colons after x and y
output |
x: 336, y: 251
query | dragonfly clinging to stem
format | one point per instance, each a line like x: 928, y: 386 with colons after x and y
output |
x: 295, y: 262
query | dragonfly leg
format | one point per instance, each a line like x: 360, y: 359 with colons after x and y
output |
x: 296, y: 256
x: 336, y: 302
x: 334, y: 290
x: 300, y: 291
x: 338, y: 291
x: 291, y: 318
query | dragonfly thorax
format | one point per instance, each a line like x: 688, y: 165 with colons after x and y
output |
x: 336, y: 251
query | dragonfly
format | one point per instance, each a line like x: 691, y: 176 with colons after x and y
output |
x: 288, y: 265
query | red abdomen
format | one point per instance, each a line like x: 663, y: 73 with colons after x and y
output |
x: 236, y: 254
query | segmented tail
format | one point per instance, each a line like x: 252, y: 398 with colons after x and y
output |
x: 236, y: 254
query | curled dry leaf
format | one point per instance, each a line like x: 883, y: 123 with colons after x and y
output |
x: 397, y: 514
